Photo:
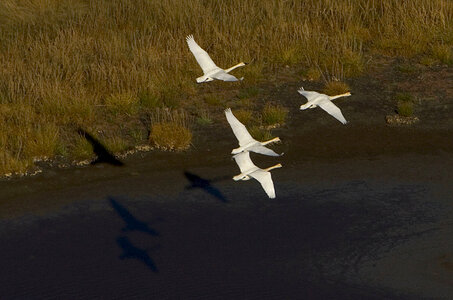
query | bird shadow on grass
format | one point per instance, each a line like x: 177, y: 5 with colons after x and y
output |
x: 131, y: 251
x: 131, y: 222
x: 206, y: 185
x: 103, y: 155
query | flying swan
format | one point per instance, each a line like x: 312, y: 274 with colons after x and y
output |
x: 210, y: 69
x: 323, y: 101
x: 246, y: 141
x: 249, y: 170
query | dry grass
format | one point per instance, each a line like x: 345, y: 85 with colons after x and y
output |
x: 333, y: 88
x: 170, y: 130
x: 66, y: 62
x: 273, y: 115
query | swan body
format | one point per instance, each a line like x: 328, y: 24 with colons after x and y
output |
x: 324, y: 101
x: 210, y: 70
x: 249, y: 170
x: 246, y: 141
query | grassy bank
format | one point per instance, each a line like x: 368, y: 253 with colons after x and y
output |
x: 106, y: 65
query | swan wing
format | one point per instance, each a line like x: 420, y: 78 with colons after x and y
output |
x: 243, y: 161
x: 222, y: 75
x: 201, y: 56
x: 239, y: 130
x: 263, y: 150
x: 310, y: 95
x: 265, y: 179
x: 332, y: 109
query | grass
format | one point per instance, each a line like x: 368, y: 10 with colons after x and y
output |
x: 103, y: 63
x: 273, y: 115
x: 170, y: 130
x: 405, y: 104
x: 333, y: 88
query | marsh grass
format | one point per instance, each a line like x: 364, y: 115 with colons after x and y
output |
x: 245, y: 116
x: 66, y: 62
x: 273, y: 115
x: 333, y: 88
x: 405, y: 104
x: 170, y: 129
x: 260, y: 134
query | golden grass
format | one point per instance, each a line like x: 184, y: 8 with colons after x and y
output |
x: 170, y: 130
x: 333, y: 88
x: 273, y: 115
x: 65, y: 63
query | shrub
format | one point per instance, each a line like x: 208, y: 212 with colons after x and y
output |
x: 405, y: 108
x: 244, y: 116
x: 260, y: 134
x: 333, y: 88
x: 273, y: 115
x: 170, y: 136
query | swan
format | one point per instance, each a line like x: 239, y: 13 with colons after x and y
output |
x: 323, y: 101
x: 210, y: 69
x: 246, y: 141
x: 249, y: 170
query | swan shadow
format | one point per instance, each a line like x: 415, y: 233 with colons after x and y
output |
x: 103, y: 155
x: 132, y: 223
x: 206, y: 185
x: 131, y: 251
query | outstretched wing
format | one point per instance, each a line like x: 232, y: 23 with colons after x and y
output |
x: 222, y: 75
x: 239, y: 130
x: 201, y: 56
x: 308, y: 94
x: 262, y: 150
x: 332, y: 109
x: 243, y: 161
x: 265, y: 179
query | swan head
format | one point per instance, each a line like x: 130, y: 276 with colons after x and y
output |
x: 236, y: 151
x: 202, y: 79
x: 241, y: 177
x: 305, y: 106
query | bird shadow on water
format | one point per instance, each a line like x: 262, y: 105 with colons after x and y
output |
x: 103, y: 155
x: 206, y: 185
x: 131, y: 251
x: 134, y: 224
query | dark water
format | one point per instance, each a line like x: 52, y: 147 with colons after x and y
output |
x: 345, y: 224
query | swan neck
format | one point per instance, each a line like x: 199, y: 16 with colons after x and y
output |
x: 341, y: 95
x: 234, y: 67
x: 271, y: 141
x: 273, y: 167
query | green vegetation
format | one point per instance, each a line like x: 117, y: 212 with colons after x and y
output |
x: 170, y: 130
x: 108, y: 64
x: 333, y: 88
x: 405, y: 104
x: 260, y: 134
x: 273, y: 115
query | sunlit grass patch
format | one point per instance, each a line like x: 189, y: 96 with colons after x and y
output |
x: 260, y: 134
x: 125, y: 103
x: 244, y: 116
x: 273, y: 115
x: 443, y: 53
x: 170, y: 130
x: 333, y: 88
x: 405, y: 108
x: 405, y: 104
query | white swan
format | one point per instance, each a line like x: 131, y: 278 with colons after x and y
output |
x: 246, y: 141
x: 249, y: 170
x: 323, y: 101
x: 210, y: 69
